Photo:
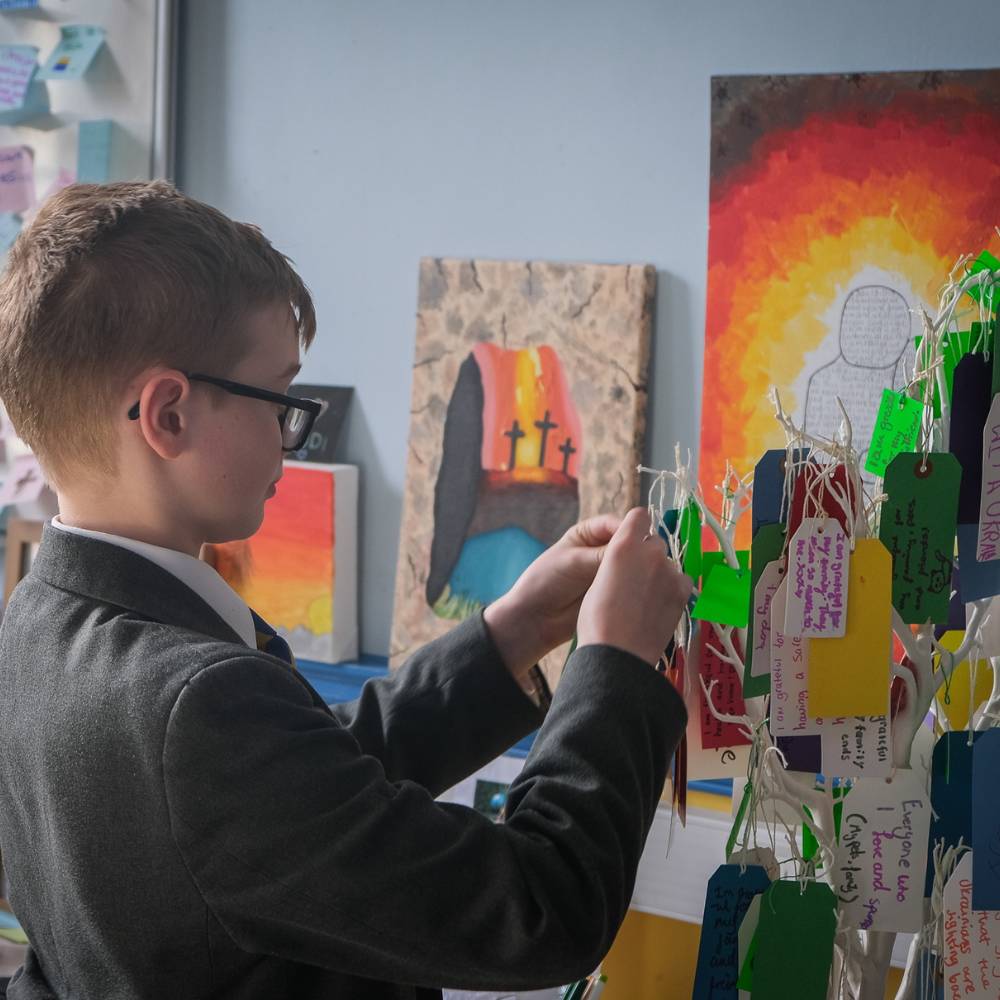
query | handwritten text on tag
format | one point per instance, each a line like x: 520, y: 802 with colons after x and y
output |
x: 817, y: 580
x: 879, y: 872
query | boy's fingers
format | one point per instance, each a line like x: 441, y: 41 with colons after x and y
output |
x: 635, y: 525
x: 592, y: 532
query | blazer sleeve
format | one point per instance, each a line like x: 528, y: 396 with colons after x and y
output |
x: 452, y: 707
x: 302, y: 848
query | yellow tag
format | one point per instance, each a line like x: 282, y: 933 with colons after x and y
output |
x: 957, y: 708
x: 850, y: 676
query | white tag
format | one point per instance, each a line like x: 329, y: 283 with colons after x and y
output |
x: 988, y: 542
x: 763, y: 597
x: 818, y: 557
x: 762, y: 856
x: 989, y: 632
x: 748, y: 927
x: 856, y: 746
x: 789, y: 676
x: 879, y: 870
x: 971, y: 939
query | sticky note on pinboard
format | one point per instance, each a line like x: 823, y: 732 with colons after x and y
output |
x: 17, y: 178
x: 93, y: 160
x: 850, y: 676
x: 18, y: 64
x: 72, y: 56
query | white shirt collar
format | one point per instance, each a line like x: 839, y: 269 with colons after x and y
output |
x: 194, y: 573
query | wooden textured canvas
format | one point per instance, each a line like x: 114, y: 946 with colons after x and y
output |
x: 528, y: 414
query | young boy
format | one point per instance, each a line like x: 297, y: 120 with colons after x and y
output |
x: 180, y: 814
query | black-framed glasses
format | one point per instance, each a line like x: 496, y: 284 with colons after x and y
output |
x: 296, y: 420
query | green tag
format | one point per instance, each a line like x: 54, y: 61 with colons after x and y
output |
x: 896, y: 428
x: 725, y: 595
x: 690, y: 536
x: 749, y: 926
x: 795, y: 942
x: 738, y: 822
x: 985, y: 262
x: 710, y: 560
x: 765, y: 547
x: 918, y: 528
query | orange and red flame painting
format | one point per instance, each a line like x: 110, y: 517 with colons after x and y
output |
x: 838, y: 205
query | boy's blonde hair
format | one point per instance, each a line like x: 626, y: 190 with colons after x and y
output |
x: 110, y: 279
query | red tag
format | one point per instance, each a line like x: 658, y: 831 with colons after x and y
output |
x: 727, y: 695
x: 822, y: 497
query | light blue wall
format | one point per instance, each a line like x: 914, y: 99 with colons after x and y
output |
x: 364, y: 134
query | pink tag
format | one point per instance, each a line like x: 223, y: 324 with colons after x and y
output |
x: 988, y: 544
x: 817, y: 580
x: 789, y: 676
x: 767, y: 585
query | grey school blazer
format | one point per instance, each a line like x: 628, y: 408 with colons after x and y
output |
x: 181, y: 816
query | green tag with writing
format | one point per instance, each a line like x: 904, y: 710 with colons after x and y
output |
x: 765, y: 547
x: 918, y: 528
x: 896, y: 428
x: 794, y: 942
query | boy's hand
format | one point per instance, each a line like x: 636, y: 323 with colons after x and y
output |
x: 638, y: 596
x: 540, y: 611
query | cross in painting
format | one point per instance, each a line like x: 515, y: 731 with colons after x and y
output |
x: 515, y: 434
x: 544, y: 425
x: 567, y: 449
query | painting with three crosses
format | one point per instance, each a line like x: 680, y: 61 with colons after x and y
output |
x: 528, y: 410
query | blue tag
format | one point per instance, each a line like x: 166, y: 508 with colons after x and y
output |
x: 769, y: 488
x: 970, y: 407
x: 986, y: 822
x: 951, y: 796
x: 978, y: 579
x: 726, y: 903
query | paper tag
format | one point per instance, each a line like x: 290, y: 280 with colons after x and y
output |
x: 730, y: 893
x: 818, y: 558
x: 986, y: 822
x: 822, y: 492
x: 917, y: 526
x: 951, y: 797
x: 794, y: 942
x: 970, y: 407
x: 971, y: 940
x: 882, y: 854
x: 977, y: 579
x: 802, y: 753
x: 769, y: 504
x: 850, y: 676
x: 725, y: 596
x: 722, y: 762
x: 896, y: 429
x: 727, y: 695
x: 989, y: 631
x: 988, y: 546
x: 761, y: 856
x: 789, y: 676
x: 748, y: 948
x: 765, y: 590
x: 766, y: 547
x: 859, y: 746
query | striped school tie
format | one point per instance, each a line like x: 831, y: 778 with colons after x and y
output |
x: 268, y: 641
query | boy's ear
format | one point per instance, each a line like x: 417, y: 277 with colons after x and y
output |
x: 163, y: 417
